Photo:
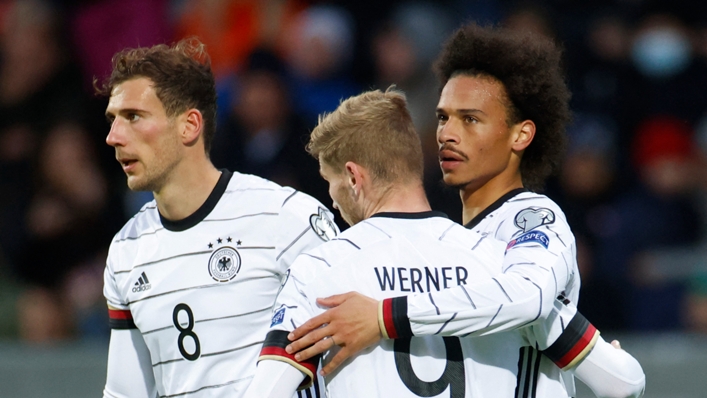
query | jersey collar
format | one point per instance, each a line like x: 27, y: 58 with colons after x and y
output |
x: 200, y: 214
x: 495, y: 205
x: 414, y: 216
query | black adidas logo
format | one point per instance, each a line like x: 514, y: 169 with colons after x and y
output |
x: 142, y: 284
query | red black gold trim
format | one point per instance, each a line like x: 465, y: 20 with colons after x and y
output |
x: 393, y: 318
x: 120, y: 319
x: 574, y: 343
x: 274, y: 349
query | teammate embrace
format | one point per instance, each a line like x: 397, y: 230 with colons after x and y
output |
x: 501, y: 118
x: 495, y: 313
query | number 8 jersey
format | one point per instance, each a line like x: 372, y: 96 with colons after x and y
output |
x: 200, y: 291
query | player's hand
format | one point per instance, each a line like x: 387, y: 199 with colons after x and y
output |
x: 616, y: 344
x: 352, y: 324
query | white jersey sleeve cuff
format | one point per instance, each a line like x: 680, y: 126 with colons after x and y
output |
x: 274, y: 379
x: 611, y: 373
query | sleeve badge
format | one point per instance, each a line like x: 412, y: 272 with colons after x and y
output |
x: 323, y: 225
x: 533, y: 217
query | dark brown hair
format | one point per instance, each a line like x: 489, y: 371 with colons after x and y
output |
x: 181, y: 75
x: 375, y: 130
x: 529, y: 68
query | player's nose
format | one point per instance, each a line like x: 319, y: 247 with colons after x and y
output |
x: 116, y: 135
x: 447, y: 133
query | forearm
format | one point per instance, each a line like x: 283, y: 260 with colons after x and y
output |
x: 129, y: 369
x: 508, y: 301
x: 611, y: 372
x: 274, y: 379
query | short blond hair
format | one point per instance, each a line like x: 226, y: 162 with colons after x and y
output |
x: 373, y: 129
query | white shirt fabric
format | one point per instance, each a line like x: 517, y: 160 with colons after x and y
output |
x: 386, y: 256
x: 539, y: 266
x: 197, y: 294
x: 610, y: 373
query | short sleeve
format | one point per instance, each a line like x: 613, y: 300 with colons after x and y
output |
x: 303, y: 224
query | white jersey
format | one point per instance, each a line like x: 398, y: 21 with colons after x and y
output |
x: 201, y: 290
x: 534, y: 227
x: 388, y: 255
x: 539, y: 266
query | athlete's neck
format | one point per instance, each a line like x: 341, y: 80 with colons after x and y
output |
x: 187, y: 188
x: 475, y: 200
x: 400, y: 198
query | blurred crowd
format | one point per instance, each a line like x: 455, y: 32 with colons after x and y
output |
x: 633, y: 184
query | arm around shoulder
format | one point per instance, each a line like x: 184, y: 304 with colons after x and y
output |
x: 508, y: 301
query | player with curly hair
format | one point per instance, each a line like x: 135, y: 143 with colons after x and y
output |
x: 501, y: 116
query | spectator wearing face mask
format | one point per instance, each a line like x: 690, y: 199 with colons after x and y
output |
x: 665, y: 78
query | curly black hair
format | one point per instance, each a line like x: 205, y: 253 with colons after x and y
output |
x: 529, y: 68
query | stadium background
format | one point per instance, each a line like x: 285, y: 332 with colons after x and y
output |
x: 633, y: 183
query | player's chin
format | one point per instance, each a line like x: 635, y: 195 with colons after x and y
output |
x: 136, y: 183
x: 351, y: 221
x: 454, y: 182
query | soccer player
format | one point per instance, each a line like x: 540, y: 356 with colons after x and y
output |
x: 501, y: 113
x: 191, y: 279
x: 371, y: 156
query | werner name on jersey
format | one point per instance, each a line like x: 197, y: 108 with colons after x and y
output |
x: 388, y: 255
x: 540, y: 254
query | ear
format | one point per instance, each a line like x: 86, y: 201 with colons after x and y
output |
x: 524, y: 134
x: 357, y: 176
x: 191, y: 126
